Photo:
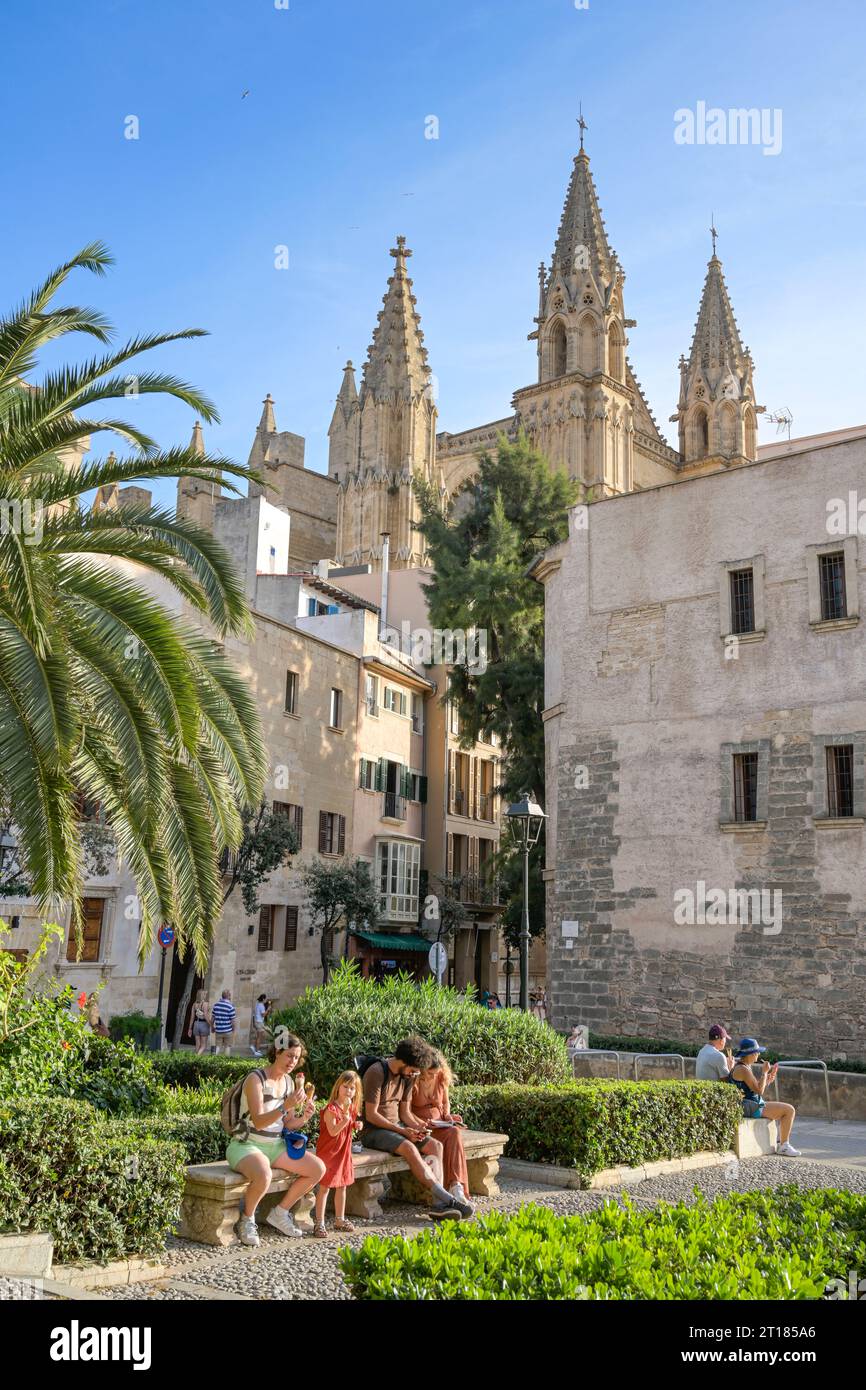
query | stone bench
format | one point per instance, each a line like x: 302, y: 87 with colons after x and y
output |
x: 213, y: 1191
x: 756, y: 1138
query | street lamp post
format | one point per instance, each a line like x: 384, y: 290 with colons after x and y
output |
x: 526, y: 819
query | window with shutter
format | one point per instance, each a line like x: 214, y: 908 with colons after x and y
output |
x: 323, y: 832
x: 341, y: 848
x: 449, y: 855
x: 266, y: 927
x: 291, y: 941
x: 452, y: 790
x: 381, y: 774
x: 422, y: 789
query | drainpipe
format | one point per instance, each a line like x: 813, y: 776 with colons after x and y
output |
x: 386, y: 554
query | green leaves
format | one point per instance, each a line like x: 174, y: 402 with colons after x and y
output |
x: 103, y: 690
x: 351, y: 1015
x: 784, y: 1244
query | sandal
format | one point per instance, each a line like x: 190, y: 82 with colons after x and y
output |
x: 319, y: 1231
x: 343, y: 1226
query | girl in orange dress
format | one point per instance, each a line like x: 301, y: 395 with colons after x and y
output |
x: 337, y: 1125
x: 430, y: 1102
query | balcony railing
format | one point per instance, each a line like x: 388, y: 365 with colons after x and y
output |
x: 458, y: 801
x: 394, y: 806
x: 485, y: 806
x: 480, y: 889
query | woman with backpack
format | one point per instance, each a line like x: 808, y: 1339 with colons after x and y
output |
x: 267, y: 1102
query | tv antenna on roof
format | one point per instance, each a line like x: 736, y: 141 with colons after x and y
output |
x: 783, y: 420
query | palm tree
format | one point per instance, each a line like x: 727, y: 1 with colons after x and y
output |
x: 104, y: 693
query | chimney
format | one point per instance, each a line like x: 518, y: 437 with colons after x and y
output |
x: 386, y: 553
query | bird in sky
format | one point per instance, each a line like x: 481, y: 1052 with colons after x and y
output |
x: 245, y: 94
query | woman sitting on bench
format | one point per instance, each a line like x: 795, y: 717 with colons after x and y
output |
x: 752, y: 1087
x: 270, y: 1102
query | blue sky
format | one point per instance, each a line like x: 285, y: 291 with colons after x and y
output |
x: 327, y: 156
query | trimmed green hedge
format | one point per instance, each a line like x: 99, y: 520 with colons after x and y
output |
x: 590, y: 1125
x: 186, y: 1069
x: 200, y: 1137
x: 785, y: 1244
x: 483, y: 1046
x: 101, y: 1191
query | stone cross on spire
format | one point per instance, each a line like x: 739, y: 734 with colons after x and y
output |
x: 400, y: 253
x: 713, y: 232
x: 583, y: 125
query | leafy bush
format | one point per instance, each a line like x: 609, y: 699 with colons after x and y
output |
x: 102, y: 1192
x: 786, y: 1244
x: 200, y: 1137
x: 42, y: 1032
x: 591, y: 1125
x: 350, y: 1015
x: 112, y: 1076
x: 203, y: 1099
x: 135, y: 1025
x: 187, y: 1069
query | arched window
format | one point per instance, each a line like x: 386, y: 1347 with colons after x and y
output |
x: 700, y: 434
x: 558, y: 350
x: 587, y: 353
x: 751, y: 440
x: 616, y: 352
x: 728, y: 424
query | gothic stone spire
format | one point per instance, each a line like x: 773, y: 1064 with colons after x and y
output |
x: 396, y: 366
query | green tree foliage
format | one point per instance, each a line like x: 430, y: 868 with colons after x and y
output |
x: 338, y: 894
x: 105, y: 694
x: 480, y: 554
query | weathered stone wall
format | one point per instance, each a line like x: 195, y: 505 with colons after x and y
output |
x: 640, y: 700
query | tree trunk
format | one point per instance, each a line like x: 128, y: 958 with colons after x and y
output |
x: 183, y: 1002
x: 325, y: 951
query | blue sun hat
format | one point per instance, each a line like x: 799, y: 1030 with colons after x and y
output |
x: 748, y: 1045
x: 296, y: 1143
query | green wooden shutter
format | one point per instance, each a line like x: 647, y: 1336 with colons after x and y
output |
x: 380, y: 775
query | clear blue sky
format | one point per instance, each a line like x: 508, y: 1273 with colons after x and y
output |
x: 327, y: 155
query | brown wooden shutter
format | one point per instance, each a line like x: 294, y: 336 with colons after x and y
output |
x: 449, y: 855
x: 299, y: 824
x: 323, y: 832
x: 341, y: 847
x: 451, y: 786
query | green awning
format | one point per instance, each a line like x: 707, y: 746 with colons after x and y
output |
x: 409, y: 942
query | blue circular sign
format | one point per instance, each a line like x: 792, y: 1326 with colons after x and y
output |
x: 165, y: 936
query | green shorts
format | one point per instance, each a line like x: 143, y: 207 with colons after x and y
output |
x: 239, y: 1149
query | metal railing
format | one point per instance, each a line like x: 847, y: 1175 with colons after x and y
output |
x: 653, y: 1056
x: 394, y: 806
x: 801, y: 1064
x: 597, y: 1052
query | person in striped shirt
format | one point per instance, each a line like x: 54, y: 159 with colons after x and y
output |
x: 223, y: 1021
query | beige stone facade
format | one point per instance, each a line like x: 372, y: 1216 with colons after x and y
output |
x: 706, y: 755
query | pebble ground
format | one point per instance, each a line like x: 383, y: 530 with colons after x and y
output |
x: 308, y: 1269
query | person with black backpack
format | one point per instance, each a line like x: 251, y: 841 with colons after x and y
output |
x: 256, y: 1113
x: 390, y: 1126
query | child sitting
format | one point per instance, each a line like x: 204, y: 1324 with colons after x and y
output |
x: 337, y: 1125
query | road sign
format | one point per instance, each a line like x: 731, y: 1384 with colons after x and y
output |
x: 165, y: 936
x: 437, y: 959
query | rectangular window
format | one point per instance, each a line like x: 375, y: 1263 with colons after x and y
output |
x: 371, y: 694
x: 840, y: 779
x: 399, y: 870
x: 291, y: 941
x: 418, y: 713
x: 291, y: 692
x: 742, y: 600
x: 336, y: 708
x: 745, y: 786
x: 416, y: 786
x: 453, y: 718
x: 295, y: 815
x: 367, y: 776
x: 266, y: 927
x: 831, y: 574
x: 394, y: 700
x: 91, y: 944
x: 332, y: 833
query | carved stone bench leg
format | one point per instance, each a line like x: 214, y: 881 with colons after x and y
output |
x: 405, y: 1187
x: 210, y: 1221
x: 483, y: 1173
x: 364, y: 1197
x: 301, y: 1211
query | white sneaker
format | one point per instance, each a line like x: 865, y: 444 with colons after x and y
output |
x: 281, y: 1220
x: 788, y: 1150
x: 248, y: 1233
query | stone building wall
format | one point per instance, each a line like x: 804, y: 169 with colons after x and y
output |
x: 642, y: 694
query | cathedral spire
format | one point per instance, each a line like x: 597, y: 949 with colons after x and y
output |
x: 716, y: 410
x: 268, y: 422
x: 348, y: 393
x: 581, y: 242
x: 196, y: 443
x: 396, y: 365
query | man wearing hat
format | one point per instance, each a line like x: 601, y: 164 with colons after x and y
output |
x: 752, y: 1080
x: 714, y: 1062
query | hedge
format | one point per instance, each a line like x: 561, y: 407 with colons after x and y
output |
x: 483, y: 1046
x: 100, y: 1191
x: 784, y: 1244
x: 201, y: 1138
x: 591, y: 1125
x: 187, y: 1069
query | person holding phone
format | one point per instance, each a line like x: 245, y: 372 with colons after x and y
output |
x: 430, y: 1105
x: 752, y: 1079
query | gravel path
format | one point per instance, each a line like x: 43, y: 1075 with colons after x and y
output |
x: 309, y: 1269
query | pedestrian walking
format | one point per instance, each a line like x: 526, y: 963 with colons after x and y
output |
x: 223, y: 1017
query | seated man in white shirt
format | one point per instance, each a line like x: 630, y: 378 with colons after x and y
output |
x: 714, y: 1061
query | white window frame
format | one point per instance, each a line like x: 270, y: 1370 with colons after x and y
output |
x: 399, y: 865
x: 848, y: 546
